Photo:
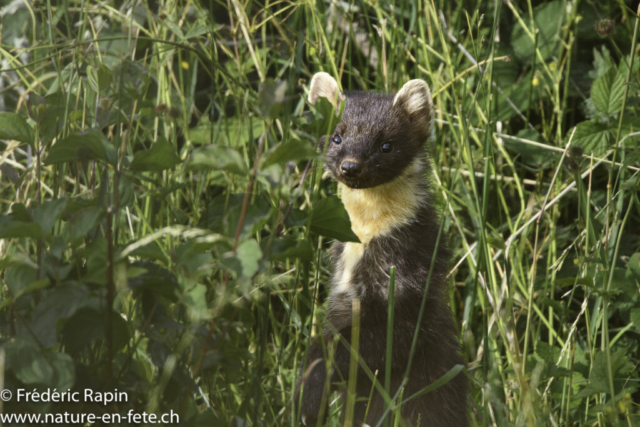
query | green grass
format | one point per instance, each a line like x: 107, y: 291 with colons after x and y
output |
x: 162, y: 232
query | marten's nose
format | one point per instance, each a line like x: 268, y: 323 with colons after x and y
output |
x: 351, y: 168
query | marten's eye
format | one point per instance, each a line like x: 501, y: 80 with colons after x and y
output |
x: 336, y: 139
x: 386, y: 148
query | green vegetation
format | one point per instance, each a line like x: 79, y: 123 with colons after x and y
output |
x: 162, y: 232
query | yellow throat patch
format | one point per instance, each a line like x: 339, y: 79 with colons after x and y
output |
x: 376, y: 211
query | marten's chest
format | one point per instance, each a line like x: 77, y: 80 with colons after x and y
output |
x: 376, y: 214
x: 346, y: 279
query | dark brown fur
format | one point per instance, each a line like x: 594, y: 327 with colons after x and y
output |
x: 368, y: 121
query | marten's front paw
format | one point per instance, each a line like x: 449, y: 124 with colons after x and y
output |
x: 308, y: 421
x: 310, y: 407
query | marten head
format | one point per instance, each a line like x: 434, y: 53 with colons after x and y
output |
x: 379, y: 135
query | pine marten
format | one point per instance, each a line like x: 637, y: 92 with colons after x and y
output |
x: 378, y: 156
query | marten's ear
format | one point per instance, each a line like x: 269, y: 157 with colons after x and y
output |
x: 323, y: 85
x: 415, y: 99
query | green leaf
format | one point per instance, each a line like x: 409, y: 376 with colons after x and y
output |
x: 599, y: 376
x: 330, y: 219
x: 325, y: 118
x: 287, y: 152
x: 152, y: 251
x: 635, y: 318
x: 52, y: 116
x: 231, y: 132
x: 634, y: 265
x: 174, y: 28
x: 532, y: 155
x: 197, y: 30
x: 245, y: 261
x: 602, y: 62
x: 19, y: 277
x: 99, y: 78
x: 548, y: 19
x: 217, y: 158
x: 47, y: 214
x: 17, y: 259
x: 592, y: 137
x: 27, y: 363
x: 195, y: 301
x: 223, y: 217
x: 15, y: 127
x: 608, y: 90
x: 550, y: 355
x: 630, y: 125
x: 271, y: 97
x: 19, y: 224
x: 156, y: 280
x: 282, y: 249
x: 82, y: 221
x: 95, y: 254
x: 64, y: 371
x: 59, y: 303
x: 80, y: 147
x: 159, y: 157
x: 104, y: 77
x: 88, y: 325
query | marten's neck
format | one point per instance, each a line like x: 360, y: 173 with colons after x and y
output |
x: 376, y: 211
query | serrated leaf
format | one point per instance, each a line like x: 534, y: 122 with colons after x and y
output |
x: 175, y: 29
x: 592, y: 137
x: 599, y: 375
x: 630, y: 125
x: 548, y: 19
x: 330, y: 219
x: 607, y: 91
x: 288, y: 152
x: 80, y: 147
x: 15, y: 127
x: 197, y: 30
x: 159, y: 157
x: 601, y: 62
x: 217, y: 158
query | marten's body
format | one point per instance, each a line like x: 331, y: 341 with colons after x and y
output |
x: 378, y: 155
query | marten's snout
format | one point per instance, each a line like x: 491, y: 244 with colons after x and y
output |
x: 351, y: 168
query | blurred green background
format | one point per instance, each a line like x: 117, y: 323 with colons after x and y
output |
x: 164, y: 222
